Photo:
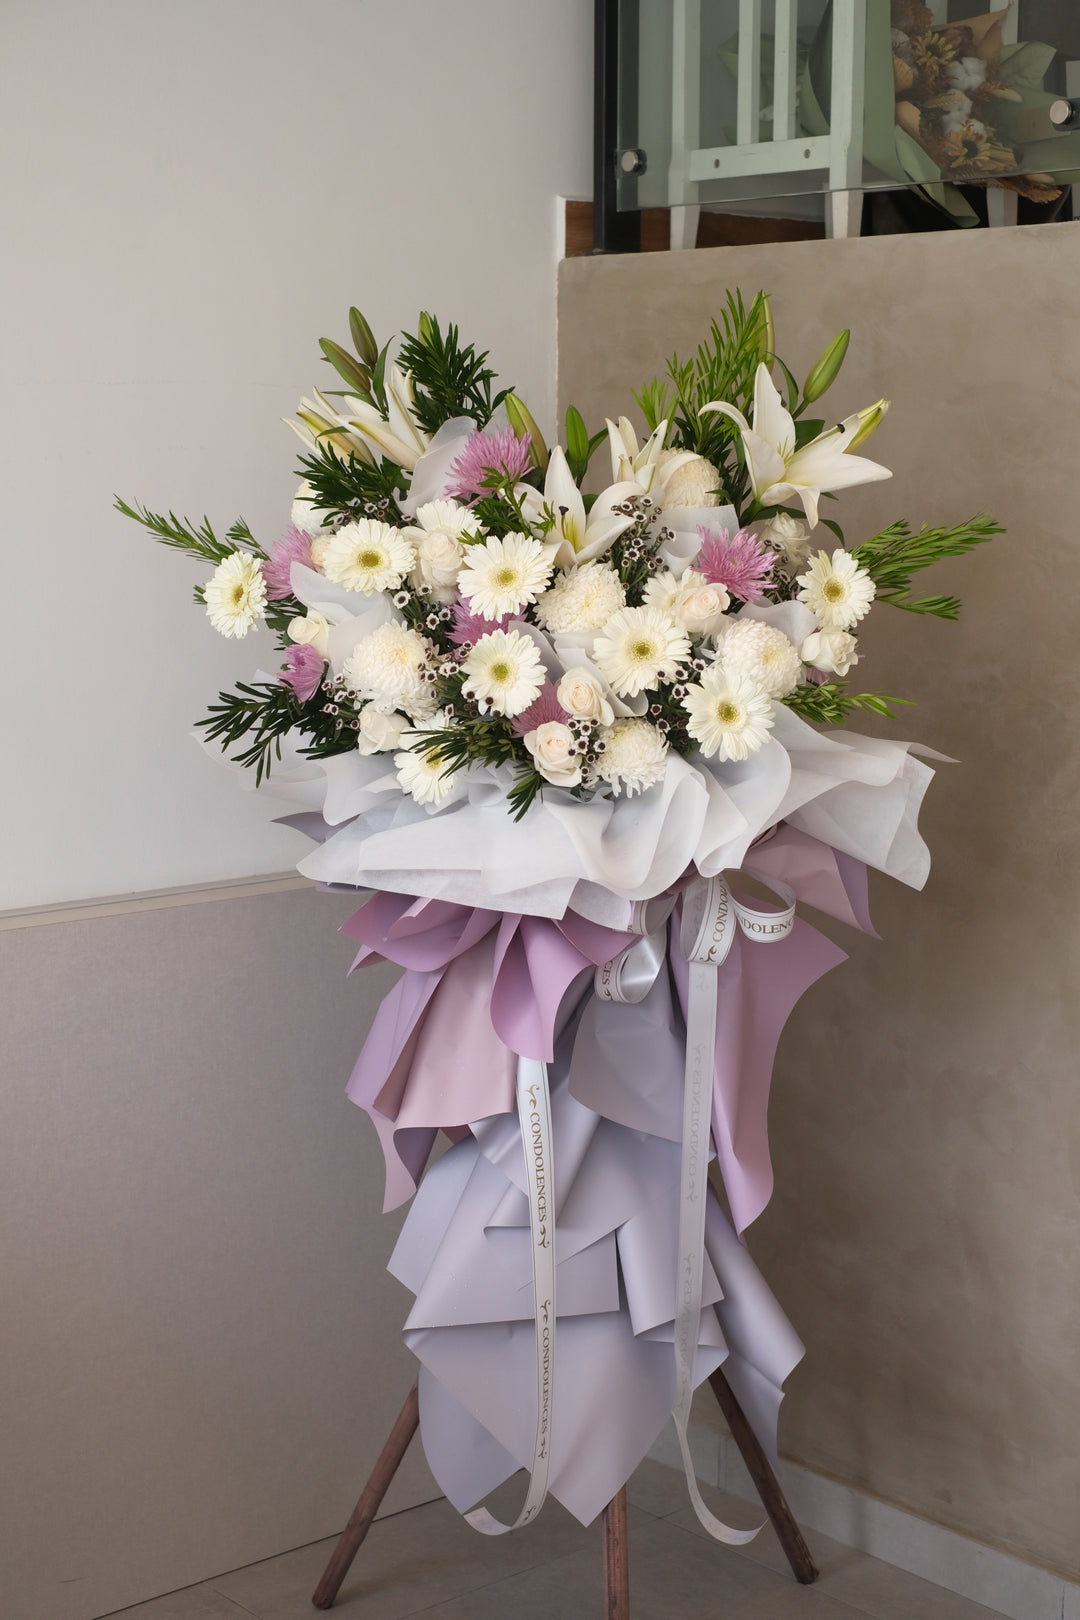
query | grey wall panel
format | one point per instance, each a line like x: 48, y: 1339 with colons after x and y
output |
x: 925, y: 1232
x: 200, y: 1353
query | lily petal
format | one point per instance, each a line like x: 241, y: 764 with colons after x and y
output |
x: 772, y: 419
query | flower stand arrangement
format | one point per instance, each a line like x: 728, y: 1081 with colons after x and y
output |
x: 586, y: 750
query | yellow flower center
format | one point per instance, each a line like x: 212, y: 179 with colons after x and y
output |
x: 237, y: 595
x: 506, y: 576
x: 500, y: 672
x: 369, y: 559
x: 727, y: 713
x: 642, y: 649
x: 833, y: 591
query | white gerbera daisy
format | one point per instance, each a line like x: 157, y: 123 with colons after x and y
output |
x: 505, y: 671
x: 634, y: 757
x: 386, y: 668
x: 729, y: 716
x: 639, y: 648
x: 501, y: 576
x: 368, y: 556
x: 236, y: 595
x: 836, y: 590
x: 581, y: 600
x: 424, y: 777
x: 761, y: 654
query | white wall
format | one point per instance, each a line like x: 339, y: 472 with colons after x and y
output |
x: 195, y: 191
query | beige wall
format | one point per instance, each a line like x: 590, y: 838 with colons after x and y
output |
x: 200, y: 1354
x: 925, y: 1233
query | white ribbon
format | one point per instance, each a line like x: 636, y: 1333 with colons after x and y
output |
x: 534, y: 1114
x: 710, y: 917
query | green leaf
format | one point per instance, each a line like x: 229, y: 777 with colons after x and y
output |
x: 378, y: 375
x: 577, y: 444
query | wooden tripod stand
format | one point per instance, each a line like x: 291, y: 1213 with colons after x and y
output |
x: 616, y: 1565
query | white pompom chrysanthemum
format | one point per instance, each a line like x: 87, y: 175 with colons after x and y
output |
x: 836, y: 590
x: 368, y: 556
x: 504, y: 671
x: 761, y: 654
x: 730, y: 717
x: 386, y: 668
x: 501, y: 576
x: 236, y: 595
x: 634, y: 757
x: 639, y: 648
x: 692, y: 481
x: 581, y: 600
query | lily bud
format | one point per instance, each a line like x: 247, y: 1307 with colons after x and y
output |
x: 363, y: 338
x: 425, y: 328
x: 522, y: 422
x: 354, y: 372
x: 868, y: 420
x: 824, y: 371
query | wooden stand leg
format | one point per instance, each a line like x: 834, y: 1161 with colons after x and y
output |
x: 370, y: 1497
x: 616, y: 1560
x: 773, y: 1500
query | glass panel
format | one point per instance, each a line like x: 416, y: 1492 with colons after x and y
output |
x: 728, y: 101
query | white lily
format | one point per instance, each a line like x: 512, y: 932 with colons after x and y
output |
x: 360, y: 429
x: 581, y: 536
x: 644, y: 466
x: 779, y: 472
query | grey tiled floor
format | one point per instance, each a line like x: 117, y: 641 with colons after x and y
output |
x: 428, y: 1562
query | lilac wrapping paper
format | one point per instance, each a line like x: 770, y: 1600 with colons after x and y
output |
x: 480, y: 987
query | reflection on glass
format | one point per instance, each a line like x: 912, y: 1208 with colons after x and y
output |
x: 732, y: 100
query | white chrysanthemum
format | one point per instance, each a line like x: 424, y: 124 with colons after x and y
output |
x: 303, y: 514
x: 695, y: 482
x: 761, y: 654
x: 639, y: 648
x: 634, y: 757
x: 581, y: 600
x: 729, y: 716
x: 368, y: 556
x: 501, y: 576
x: 236, y: 595
x: 386, y: 669
x: 504, y: 670
x: 425, y: 778
x: 790, y: 537
x: 836, y: 590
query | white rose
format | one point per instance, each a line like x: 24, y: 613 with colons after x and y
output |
x: 581, y: 693
x: 790, y: 536
x: 553, y: 748
x: 695, y: 483
x: 830, y: 650
x: 312, y: 631
x: 379, y: 732
x: 699, y: 608
x: 438, y: 558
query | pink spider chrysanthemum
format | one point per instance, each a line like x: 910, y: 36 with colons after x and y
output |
x: 500, y: 453
x: 743, y: 564
x: 304, y: 671
x: 294, y: 546
x: 544, y: 708
x: 470, y: 626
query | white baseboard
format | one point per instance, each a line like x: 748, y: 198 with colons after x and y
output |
x: 957, y: 1563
